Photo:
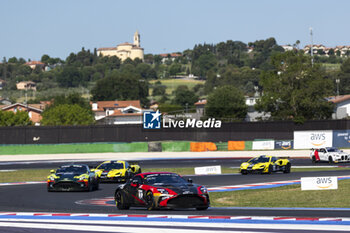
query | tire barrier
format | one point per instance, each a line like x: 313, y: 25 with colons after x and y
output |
x: 236, y: 145
x: 154, y: 147
x: 202, y: 146
x: 176, y: 146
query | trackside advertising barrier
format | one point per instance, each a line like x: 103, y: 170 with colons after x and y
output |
x: 313, y: 139
x: 341, y: 138
x: 319, y: 183
x: 264, y: 145
x: 284, y: 145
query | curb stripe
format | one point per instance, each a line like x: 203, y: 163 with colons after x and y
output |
x: 150, y: 216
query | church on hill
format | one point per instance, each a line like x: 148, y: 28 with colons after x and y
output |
x: 124, y: 50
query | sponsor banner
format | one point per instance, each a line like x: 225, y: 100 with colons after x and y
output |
x: 341, y: 138
x: 284, y: 145
x: 264, y: 145
x: 313, y: 139
x: 155, y: 120
x: 319, y: 183
x: 207, y: 170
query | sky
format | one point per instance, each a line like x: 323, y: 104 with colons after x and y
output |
x: 32, y: 28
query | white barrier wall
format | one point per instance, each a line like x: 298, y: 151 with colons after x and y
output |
x: 264, y: 145
x: 313, y: 139
x: 207, y: 170
x: 319, y: 183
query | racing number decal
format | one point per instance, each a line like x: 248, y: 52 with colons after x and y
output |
x: 140, y: 194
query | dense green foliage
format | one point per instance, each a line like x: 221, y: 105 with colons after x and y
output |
x: 226, y: 103
x: 246, y: 66
x: 67, y: 114
x: 185, y: 97
x: 124, y: 85
x: 20, y: 118
x: 295, y: 89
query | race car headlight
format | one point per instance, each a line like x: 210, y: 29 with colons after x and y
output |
x: 83, y: 178
x: 163, y: 191
x: 204, y: 189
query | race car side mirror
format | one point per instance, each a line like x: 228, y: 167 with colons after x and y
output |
x: 190, y: 180
x: 52, y: 171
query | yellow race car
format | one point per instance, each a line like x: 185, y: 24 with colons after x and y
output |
x: 117, y: 171
x: 265, y: 164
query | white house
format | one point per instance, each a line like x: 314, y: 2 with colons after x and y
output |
x: 342, y: 106
x: 117, y: 112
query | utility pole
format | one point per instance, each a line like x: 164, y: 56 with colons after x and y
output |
x: 312, y: 47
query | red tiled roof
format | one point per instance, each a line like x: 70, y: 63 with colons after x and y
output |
x: 339, y: 99
x: 201, y: 102
x: 34, y: 63
x: 102, y: 105
x: 170, y: 54
x: 32, y: 107
x: 119, y: 113
x: 107, y: 48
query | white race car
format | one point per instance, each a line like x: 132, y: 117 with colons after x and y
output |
x: 329, y: 154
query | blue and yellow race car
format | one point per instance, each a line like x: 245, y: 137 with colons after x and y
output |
x: 73, y: 177
x: 265, y: 164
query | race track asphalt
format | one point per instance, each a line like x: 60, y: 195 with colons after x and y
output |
x: 35, y: 198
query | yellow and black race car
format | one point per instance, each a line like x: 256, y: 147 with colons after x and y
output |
x: 72, y: 177
x: 265, y: 164
x: 117, y: 171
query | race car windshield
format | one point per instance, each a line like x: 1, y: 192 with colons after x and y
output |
x: 110, y: 166
x: 163, y: 179
x: 72, y: 169
x: 259, y: 160
x: 332, y: 149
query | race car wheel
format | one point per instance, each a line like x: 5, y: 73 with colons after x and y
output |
x: 120, y: 200
x: 97, y: 184
x: 202, y: 208
x: 90, y: 186
x: 244, y: 172
x: 150, y: 201
x: 287, y: 168
x: 330, y: 159
x: 270, y: 169
x: 314, y: 159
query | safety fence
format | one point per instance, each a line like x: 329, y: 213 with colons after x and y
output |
x: 302, y: 140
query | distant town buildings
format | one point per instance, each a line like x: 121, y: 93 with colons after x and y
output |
x: 125, y: 50
x: 26, y: 85
x: 319, y: 49
x: 35, y: 64
x: 169, y: 56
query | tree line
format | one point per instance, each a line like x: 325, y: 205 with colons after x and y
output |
x: 291, y: 88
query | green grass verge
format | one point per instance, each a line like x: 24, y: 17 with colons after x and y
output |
x: 73, y: 148
x: 172, y: 84
x: 41, y: 174
x: 24, y: 175
x: 286, y: 196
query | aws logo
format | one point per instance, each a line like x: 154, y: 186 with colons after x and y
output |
x: 286, y: 145
x: 324, y: 182
x: 318, y: 139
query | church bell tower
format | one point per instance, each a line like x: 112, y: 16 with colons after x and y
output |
x: 137, y: 39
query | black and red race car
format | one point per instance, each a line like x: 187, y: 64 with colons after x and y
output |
x: 156, y: 190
